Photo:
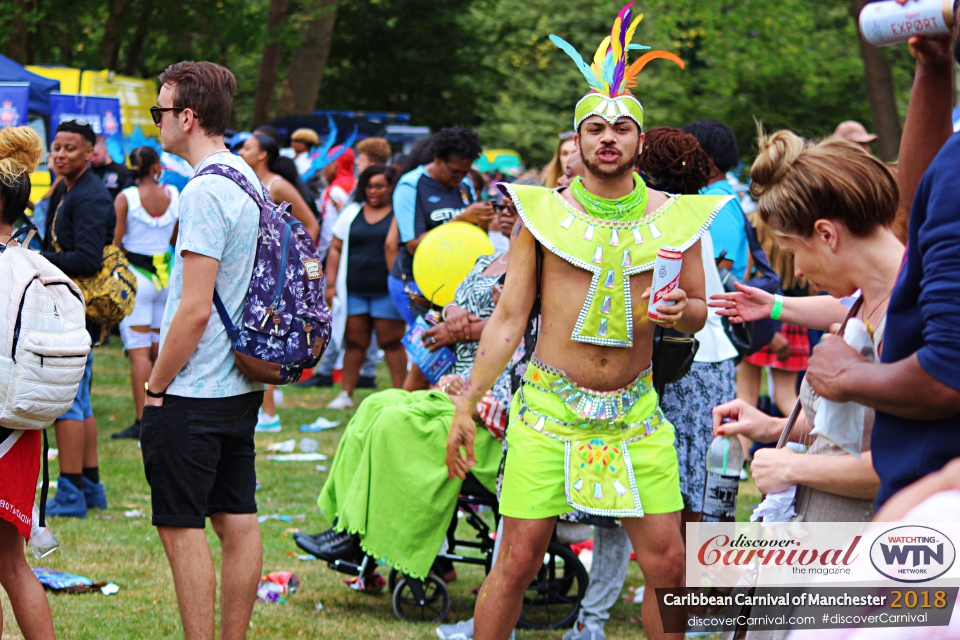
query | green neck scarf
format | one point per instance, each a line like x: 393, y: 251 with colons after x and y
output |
x: 632, y: 205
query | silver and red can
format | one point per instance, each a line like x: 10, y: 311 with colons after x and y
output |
x: 886, y: 23
x: 666, y: 278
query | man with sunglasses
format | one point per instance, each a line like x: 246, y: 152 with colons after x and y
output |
x: 427, y: 197
x: 200, y: 411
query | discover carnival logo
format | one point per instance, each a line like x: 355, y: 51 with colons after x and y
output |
x: 912, y: 553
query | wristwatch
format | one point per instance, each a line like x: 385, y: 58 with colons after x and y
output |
x: 152, y: 394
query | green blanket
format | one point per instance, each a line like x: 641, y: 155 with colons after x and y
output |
x: 388, y: 481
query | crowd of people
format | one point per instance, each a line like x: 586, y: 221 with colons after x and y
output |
x: 551, y: 404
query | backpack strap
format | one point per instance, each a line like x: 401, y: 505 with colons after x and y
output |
x: 765, y: 277
x: 25, y: 235
x: 260, y: 196
x: 232, y: 332
x: 45, y: 486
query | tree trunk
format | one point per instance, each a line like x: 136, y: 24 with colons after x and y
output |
x: 17, y: 45
x: 269, y: 64
x: 309, y: 59
x: 131, y: 61
x: 883, y: 104
x: 112, y: 32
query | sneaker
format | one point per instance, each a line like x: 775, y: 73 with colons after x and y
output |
x: 366, y: 382
x: 94, y: 495
x: 320, y: 424
x: 584, y: 633
x: 132, y: 432
x: 267, y: 424
x: 458, y: 631
x: 316, y: 380
x: 342, y: 401
x: 67, y: 502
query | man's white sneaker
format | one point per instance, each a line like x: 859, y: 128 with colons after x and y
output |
x: 267, y: 424
x: 342, y: 401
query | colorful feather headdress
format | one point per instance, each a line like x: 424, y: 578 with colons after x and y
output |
x: 609, y: 77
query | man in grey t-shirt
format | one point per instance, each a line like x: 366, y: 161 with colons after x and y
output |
x: 200, y: 412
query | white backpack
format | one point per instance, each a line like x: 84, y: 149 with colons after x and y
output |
x: 43, y: 340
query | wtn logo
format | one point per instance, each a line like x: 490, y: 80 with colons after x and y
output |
x: 912, y: 553
x: 897, y: 554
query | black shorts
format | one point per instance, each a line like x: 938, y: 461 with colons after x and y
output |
x: 198, y: 457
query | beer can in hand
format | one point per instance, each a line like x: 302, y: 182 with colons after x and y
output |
x: 886, y: 23
x: 666, y: 278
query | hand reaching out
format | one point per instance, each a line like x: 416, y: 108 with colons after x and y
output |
x: 746, y: 304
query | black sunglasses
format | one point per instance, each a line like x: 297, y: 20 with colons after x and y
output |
x: 157, y: 113
x: 502, y: 208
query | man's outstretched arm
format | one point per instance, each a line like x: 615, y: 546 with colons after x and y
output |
x: 500, y: 338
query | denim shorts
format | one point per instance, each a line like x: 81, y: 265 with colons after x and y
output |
x: 198, y: 456
x: 82, y: 408
x: 375, y: 305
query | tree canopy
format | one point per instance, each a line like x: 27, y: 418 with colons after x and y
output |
x: 484, y: 63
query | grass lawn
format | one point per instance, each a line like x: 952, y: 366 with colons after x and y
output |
x: 110, y: 546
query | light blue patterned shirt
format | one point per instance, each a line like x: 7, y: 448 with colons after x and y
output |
x: 219, y: 220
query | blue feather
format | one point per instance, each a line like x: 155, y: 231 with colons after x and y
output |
x: 636, y: 47
x: 609, y: 66
x: 320, y: 159
x: 585, y: 69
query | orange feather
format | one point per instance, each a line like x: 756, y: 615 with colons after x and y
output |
x: 642, y: 61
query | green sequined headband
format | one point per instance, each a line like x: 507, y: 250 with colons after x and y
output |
x: 609, y: 77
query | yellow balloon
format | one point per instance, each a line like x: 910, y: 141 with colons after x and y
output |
x: 444, y: 258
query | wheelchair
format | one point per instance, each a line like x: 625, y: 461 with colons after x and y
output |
x: 552, y: 601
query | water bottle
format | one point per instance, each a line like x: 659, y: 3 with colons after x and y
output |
x: 42, y: 541
x: 724, y: 462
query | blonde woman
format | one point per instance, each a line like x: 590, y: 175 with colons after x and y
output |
x: 558, y: 164
x: 20, y: 153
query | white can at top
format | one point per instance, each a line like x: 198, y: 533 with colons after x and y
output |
x: 885, y: 23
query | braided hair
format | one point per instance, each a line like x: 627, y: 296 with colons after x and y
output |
x: 718, y: 140
x: 673, y: 161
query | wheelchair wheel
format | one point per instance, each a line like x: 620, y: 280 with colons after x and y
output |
x: 552, y: 600
x: 421, y: 600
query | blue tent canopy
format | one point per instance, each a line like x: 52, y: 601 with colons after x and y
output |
x: 40, y: 87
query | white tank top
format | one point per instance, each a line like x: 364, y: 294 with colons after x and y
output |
x: 146, y: 234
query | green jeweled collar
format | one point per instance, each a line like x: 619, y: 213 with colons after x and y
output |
x: 629, y: 207
x: 612, y: 251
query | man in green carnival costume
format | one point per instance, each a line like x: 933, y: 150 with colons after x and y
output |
x: 585, y: 430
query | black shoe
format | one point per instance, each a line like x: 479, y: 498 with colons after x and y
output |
x: 366, y: 382
x: 344, y: 546
x: 132, y: 432
x: 312, y: 543
x: 316, y: 380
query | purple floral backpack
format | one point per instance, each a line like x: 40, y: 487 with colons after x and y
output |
x: 286, y: 324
